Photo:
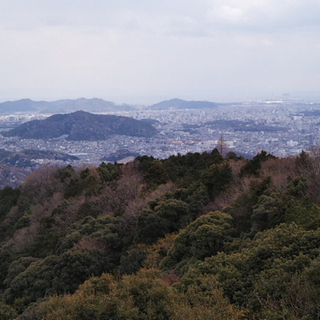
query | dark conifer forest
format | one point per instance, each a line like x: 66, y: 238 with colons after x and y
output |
x: 196, y: 236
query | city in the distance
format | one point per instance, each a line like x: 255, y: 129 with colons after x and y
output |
x: 281, y: 127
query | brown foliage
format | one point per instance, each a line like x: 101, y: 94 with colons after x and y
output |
x: 130, y: 184
x: 280, y: 170
x: 170, y: 278
x: 22, y: 238
x: 69, y: 214
x: 90, y: 243
x: 41, y: 184
x: 236, y: 166
x: 160, y: 191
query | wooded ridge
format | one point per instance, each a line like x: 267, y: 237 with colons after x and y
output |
x: 196, y: 236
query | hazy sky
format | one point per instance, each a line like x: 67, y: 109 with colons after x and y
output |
x: 145, y: 51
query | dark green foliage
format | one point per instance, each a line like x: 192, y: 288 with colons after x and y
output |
x: 6, y: 257
x: 179, y: 169
x: 192, y: 165
x: 145, y: 163
x: 54, y: 275
x: 161, y: 218
x: 74, y: 267
x: 66, y: 173
x: 174, y: 169
x: 91, y: 181
x: 17, y: 267
x: 303, y: 212
x: 97, y: 227
x: 217, y: 178
x: 195, y: 195
x: 8, y: 199
x: 298, y: 187
x: 266, y: 213
x: 74, y: 189
x: 202, y: 238
x: 101, y: 233
x: 69, y: 241
x: 232, y: 156
x: 253, y: 166
x: 86, y: 183
x: 109, y: 172
x: 46, y: 241
x: 156, y: 174
x: 32, y: 283
x: 132, y: 261
x: 216, y: 154
x: 242, y: 209
x: 92, y: 209
x: 272, y: 258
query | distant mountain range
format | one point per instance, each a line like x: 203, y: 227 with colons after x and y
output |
x: 62, y: 106
x: 182, y: 104
x: 82, y: 125
x: 94, y: 105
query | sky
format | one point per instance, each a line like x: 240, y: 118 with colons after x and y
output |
x: 144, y: 51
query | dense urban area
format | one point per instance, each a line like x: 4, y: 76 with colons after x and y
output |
x: 283, y: 128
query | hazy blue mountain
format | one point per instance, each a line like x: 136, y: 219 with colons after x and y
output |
x: 89, y: 105
x: 61, y: 106
x: 23, y: 105
x: 93, y: 105
x: 182, y: 104
x: 82, y: 125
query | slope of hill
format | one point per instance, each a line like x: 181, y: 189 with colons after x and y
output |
x: 182, y: 104
x: 82, y: 125
x: 194, y: 236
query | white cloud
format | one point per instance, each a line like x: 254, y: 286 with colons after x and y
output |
x: 265, y: 15
x: 116, y: 48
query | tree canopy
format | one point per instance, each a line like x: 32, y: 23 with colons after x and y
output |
x: 195, y: 236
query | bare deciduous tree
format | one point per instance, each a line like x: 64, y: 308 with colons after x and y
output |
x: 222, y: 146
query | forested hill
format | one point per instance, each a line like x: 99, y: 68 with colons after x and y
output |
x: 197, y: 236
x: 82, y: 125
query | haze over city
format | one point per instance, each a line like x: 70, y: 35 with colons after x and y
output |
x: 143, y: 52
